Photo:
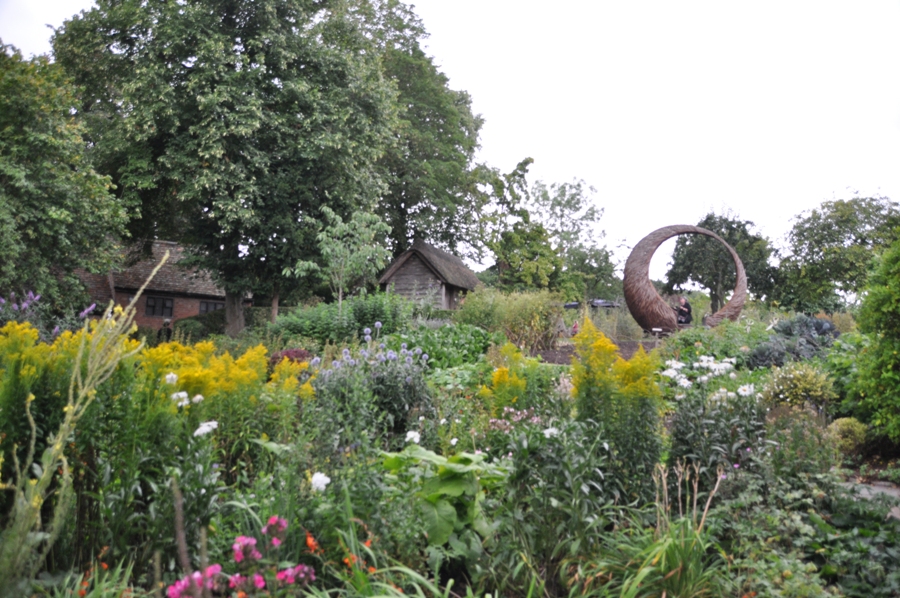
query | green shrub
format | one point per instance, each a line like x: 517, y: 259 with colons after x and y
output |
x: 530, y: 320
x: 448, y: 346
x: 842, y: 365
x: 850, y: 434
x: 799, y: 385
x: 878, y: 380
x: 712, y: 429
x: 323, y: 324
x: 799, y: 338
x: 801, y: 442
x: 729, y: 339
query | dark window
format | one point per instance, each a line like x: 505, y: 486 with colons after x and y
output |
x: 159, y: 306
x: 208, y: 306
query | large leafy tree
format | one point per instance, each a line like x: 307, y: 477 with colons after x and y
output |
x: 705, y: 261
x: 56, y: 213
x: 831, y: 250
x: 432, y: 180
x: 229, y: 124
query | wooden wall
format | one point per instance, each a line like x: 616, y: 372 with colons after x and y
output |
x: 414, y: 280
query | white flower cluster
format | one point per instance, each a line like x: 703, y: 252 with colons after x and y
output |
x: 673, y: 371
x: 319, y: 481
x: 206, y: 428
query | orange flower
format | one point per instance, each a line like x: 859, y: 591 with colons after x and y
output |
x: 82, y: 593
x: 372, y: 570
x: 311, y: 543
x: 105, y: 566
x: 351, y: 560
x: 242, y: 594
x: 368, y: 543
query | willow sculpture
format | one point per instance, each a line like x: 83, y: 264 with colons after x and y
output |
x: 645, y: 304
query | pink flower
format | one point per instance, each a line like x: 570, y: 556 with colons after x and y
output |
x: 276, y: 542
x: 184, y: 586
x: 259, y: 581
x: 302, y: 573
x: 245, y: 547
x: 277, y: 522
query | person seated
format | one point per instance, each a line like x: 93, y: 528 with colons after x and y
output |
x: 683, y: 311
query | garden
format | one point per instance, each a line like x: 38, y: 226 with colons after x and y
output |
x: 388, y: 450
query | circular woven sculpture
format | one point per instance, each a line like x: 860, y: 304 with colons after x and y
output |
x: 645, y: 304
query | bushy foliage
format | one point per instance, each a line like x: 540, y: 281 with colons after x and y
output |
x: 801, y: 442
x: 717, y: 428
x: 878, y: 365
x: 799, y: 338
x: 850, y: 434
x: 530, y: 320
x: 624, y: 399
x: 731, y: 340
x: 449, y: 346
x: 516, y: 381
x: 374, y: 392
x: 559, y: 488
x: 799, y: 385
x: 323, y: 323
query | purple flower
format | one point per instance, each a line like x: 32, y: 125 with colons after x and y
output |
x: 89, y: 309
x: 2, y: 300
x: 315, y: 361
x: 25, y: 305
x: 15, y: 307
x: 418, y: 351
x: 377, y: 325
x: 391, y: 355
x: 403, y: 346
x: 409, y: 360
x: 55, y: 330
x: 737, y: 466
x: 381, y: 345
x: 408, y: 379
x: 346, y: 352
x: 368, y: 337
x: 424, y: 356
x: 367, y: 331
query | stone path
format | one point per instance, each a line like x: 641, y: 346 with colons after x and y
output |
x: 875, y: 489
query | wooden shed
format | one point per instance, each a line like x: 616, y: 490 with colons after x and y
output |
x: 424, y: 272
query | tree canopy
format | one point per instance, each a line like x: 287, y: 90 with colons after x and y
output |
x: 831, y: 250
x: 703, y: 260
x: 56, y: 213
x: 228, y: 124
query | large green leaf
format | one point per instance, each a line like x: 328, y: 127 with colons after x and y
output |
x: 440, y: 521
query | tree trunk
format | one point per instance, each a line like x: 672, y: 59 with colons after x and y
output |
x: 273, y: 315
x: 234, y: 313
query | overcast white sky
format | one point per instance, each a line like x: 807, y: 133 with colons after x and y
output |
x: 669, y: 109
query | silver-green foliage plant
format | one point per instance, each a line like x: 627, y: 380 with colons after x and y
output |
x: 30, y: 533
x: 799, y: 385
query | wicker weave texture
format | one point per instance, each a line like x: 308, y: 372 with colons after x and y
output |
x: 645, y: 304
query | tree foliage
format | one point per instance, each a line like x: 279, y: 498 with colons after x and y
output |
x: 432, y: 182
x: 878, y: 365
x: 229, y: 124
x: 831, y: 250
x: 705, y: 261
x: 56, y: 212
x: 351, y: 252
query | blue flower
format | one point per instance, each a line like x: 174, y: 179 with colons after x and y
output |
x: 409, y: 360
x: 403, y: 346
x: 378, y: 325
x: 418, y: 351
x: 346, y: 352
x: 315, y: 361
x: 381, y: 345
x: 391, y: 355
x: 336, y: 364
x: 408, y: 379
x: 368, y: 337
x: 367, y: 331
x: 363, y: 353
x: 424, y: 356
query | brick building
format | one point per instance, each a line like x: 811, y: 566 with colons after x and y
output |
x: 174, y: 292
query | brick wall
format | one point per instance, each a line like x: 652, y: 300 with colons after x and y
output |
x: 183, y: 307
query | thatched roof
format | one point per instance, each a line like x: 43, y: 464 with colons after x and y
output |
x: 446, y: 266
x: 171, y: 279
